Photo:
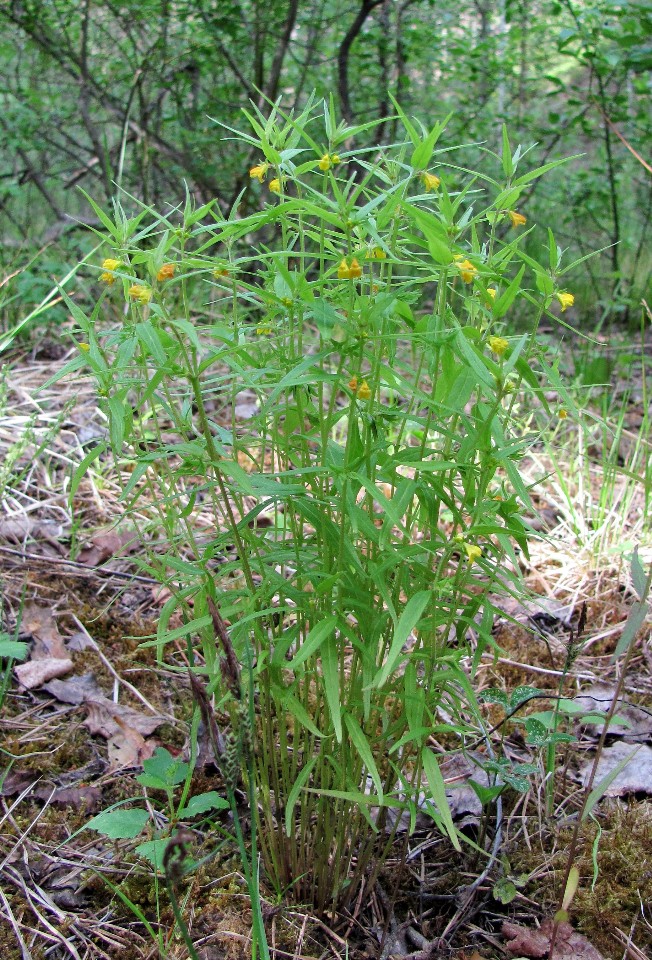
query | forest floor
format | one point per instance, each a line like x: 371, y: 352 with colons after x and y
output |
x: 91, y: 703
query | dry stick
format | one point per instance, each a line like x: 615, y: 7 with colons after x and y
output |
x: 88, y: 571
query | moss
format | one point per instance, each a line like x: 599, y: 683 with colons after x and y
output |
x: 624, y: 880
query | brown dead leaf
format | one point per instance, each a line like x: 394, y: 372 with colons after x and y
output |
x: 106, y: 718
x: 35, y: 673
x: 62, y: 796
x: 123, y: 727
x: 106, y: 544
x: 39, y: 623
x: 528, y: 942
x: 128, y: 748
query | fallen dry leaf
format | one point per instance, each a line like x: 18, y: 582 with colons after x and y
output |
x: 40, y: 625
x: 123, y: 727
x: 35, y: 673
x: 128, y: 748
x: 63, y: 796
x: 107, y: 544
x: 528, y: 942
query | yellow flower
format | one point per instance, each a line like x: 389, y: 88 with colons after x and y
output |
x: 109, y: 265
x: 376, y: 253
x: 220, y: 272
x: 473, y: 552
x: 259, y: 172
x: 327, y: 161
x: 517, y: 218
x: 363, y: 391
x: 492, y: 292
x: 430, y: 181
x: 562, y: 414
x: 166, y: 272
x: 350, y: 271
x: 353, y: 384
x: 466, y: 268
x: 264, y: 329
x: 275, y: 185
x: 141, y: 293
x: 84, y: 346
x: 498, y: 345
x: 566, y: 300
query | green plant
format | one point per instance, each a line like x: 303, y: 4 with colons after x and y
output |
x: 366, y: 508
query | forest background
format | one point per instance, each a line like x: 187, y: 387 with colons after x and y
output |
x: 96, y: 95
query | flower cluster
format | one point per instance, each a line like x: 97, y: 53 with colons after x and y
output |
x: 327, y: 161
x: 140, y: 293
x: 349, y: 271
x: 498, y: 345
x: 109, y: 266
x: 166, y: 272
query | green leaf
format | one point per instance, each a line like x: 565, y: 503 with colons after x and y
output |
x: 330, y: 668
x: 154, y: 852
x: 293, y: 796
x: 601, y: 788
x: 506, y: 299
x: 508, y: 166
x: 80, y: 471
x: 313, y: 641
x: 361, y: 744
x: 438, y: 794
x: 407, y: 622
x: 120, y: 824
x: 203, y: 802
x: 162, y: 770
x: 504, y: 890
x: 12, y: 649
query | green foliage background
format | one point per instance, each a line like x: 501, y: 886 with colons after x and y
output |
x: 96, y: 94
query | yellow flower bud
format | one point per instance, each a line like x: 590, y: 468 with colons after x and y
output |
x: 376, y: 253
x: 166, y: 272
x: 498, y: 345
x: 84, y: 346
x: 353, y: 384
x: 364, y: 391
x: 517, y: 218
x: 473, y: 552
x: 566, y: 300
x: 492, y: 292
x: 109, y: 265
x: 141, y: 293
x: 259, y: 172
x: 430, y: 181
x: 467, y: 270
x: 275, y: 185
x: 347, y: 271
x: 327, y: 161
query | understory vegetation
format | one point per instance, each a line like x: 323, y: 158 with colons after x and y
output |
x: 326, y: 537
